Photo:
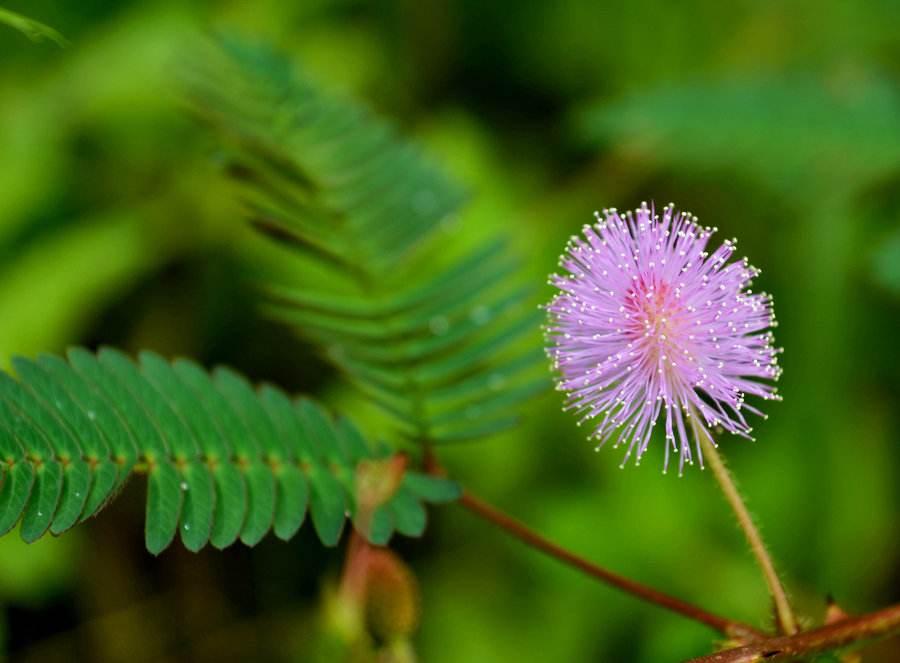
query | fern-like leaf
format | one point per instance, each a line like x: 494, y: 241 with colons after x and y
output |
x: 224, y: 461
x: 441, y: 351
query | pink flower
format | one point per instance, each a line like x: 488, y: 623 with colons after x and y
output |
x: 649, y: 323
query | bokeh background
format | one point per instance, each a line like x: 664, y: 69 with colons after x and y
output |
x: 778, y: 122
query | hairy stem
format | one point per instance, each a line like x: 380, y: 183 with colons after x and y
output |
x: 732, y: 629
x: 787, y: 623
x: 833, y: 636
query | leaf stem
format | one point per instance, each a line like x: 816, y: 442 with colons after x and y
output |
x: 737, y: 630
x: 787, y: 623
x: 833, y: 636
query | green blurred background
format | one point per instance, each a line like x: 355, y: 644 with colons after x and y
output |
x: 778, y: 122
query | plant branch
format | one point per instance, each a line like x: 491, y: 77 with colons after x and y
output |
x: 787, y: 623
x: 729, y: 628
x: 833, y: 636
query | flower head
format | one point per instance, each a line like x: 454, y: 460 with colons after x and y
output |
x: 648, y: 323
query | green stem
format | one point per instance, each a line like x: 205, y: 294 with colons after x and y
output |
x: 787, y: 623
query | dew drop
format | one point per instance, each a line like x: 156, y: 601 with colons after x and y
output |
x: 40, y: 513
x: 184, y: 485
x: 187, y: 526
x: 91, y: 415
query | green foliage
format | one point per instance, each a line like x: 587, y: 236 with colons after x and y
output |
x: 91, y: 135
x: 224, y: 461
x: 435, y: 348
x: 34, y: 30
x: 107, y: 254
x: 747, y: 124
x: 887, y: 262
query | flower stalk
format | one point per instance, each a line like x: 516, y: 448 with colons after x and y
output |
x: 787, y: 623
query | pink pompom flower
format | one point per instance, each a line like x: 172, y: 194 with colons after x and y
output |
x: 648, y: 323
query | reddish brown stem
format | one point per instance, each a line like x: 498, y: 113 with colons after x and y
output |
x: 825, y: 638
x: 355, y: 568
x: 728, y: 627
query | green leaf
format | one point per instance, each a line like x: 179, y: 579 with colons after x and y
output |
x: 177, y: 447
x: 32, y: 29
x: 164, y: 501
x: 328, y: 503
x: 781, y: 129
x: 432, y: 489
x: 14, y: 493
x: 228, y: 499
x: 409, y: 515
x: 323, y: 176
x: 380, y: 526
x: 59, y: 385
x: 231, y: 505
x: 89, y: 398
x: 259, y: 493
x: 195, y: 479
x: 223, y: 459
x: 293, y: 498
x: 44, y: 499
x: 68, y: 458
